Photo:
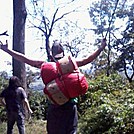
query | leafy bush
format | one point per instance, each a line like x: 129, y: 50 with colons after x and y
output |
x: 38, y: 103
x: 107, y: 107
x: 3, y: 84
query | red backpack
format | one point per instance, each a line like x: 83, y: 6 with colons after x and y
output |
x: 63, y: 80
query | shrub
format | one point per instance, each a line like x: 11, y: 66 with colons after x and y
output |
x: 107, y: 107
x: 38, y: 103
x: 3, y: 84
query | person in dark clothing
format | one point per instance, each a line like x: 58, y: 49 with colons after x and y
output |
x: 62, y: 119
x: 15, y: 100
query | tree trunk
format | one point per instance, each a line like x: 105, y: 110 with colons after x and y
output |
x: 48, y: 48
x: 19, y: 19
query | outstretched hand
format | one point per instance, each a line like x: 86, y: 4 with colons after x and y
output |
x: 103, y: 43
x: 3, y: 46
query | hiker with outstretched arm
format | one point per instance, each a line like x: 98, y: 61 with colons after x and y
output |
x: 61, y: 119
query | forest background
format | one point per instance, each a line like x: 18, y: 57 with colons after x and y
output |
x: 108, y: 105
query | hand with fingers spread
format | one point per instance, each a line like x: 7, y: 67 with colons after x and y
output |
x: 103, y: 44
x: 4, y: 47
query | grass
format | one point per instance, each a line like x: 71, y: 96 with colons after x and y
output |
x: 32, y: 127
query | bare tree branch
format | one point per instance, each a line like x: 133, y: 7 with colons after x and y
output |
x: 53, y: 21
x: 4, y: 33
x: 64, y: 15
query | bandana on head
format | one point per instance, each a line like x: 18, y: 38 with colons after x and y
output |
x: 57, y: 50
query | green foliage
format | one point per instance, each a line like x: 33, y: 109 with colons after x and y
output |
x: 3, y: 84
x: 108, y: 106
x: 3, y: 81
x: 104, y: 15
x: 3, y: 116
x: 38, y: 103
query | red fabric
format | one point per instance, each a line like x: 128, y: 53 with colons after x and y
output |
x: 62, y: 86
x: 52, y: 70
x: 75, y: 84
x: 71, y: 84
x: 48, y: 72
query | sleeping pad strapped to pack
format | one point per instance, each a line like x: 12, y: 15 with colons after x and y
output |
x: 63, y: 80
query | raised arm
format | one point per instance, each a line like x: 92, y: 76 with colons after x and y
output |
x: 93, y: 56
x: 21, y: 57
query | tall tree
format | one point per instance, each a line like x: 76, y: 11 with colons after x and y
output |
x: 125, y: 45
x: 100, y: 15
x: 106, y: 15
x: 19, y: 18
x: 45, y: 19
x: 103, y: 15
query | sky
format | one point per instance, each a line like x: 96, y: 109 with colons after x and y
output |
x: 30, y: 40
x: 30, y: 51
x: 5, y: 25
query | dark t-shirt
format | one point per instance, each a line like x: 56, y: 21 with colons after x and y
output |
x: 14, y: 99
